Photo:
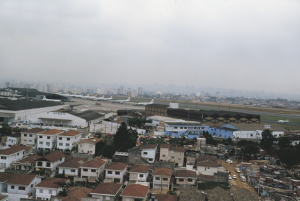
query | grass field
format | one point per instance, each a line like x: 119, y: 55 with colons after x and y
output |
x: 276, y: 118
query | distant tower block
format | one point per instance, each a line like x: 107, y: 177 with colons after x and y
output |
x: 140, y: 90
x: 217, y: 94
x: 6, y: 84
x: 198, y: 94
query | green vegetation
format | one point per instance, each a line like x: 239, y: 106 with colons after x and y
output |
x: 154, y: 141
x: 212, y: 185
x: 125, y: 138
x: 277, y: 118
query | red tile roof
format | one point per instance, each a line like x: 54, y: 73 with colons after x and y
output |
x: 148, y: 146
x: 185, y: 173
x: 27, y: 148
x: 73, y: 163
x: 116, y: 166
x: 164, y: 146
x: 163, y: 171
x: 90, y: 140
x: 21, y: 179
x: 140, y: 168
x: 55, y: 156
x: 51, y: 132
x: 207, y: 177
x: 30, y: 159
x: 34, y: 130
x: 135, y: 190
x: 70, y: 133
x: 51, y: 182
x: 207, y: 163
x: 12, y: 150
x: 177, y: 148
x: 76, y: 193
x: 107, y: 188
x: 95, y: 163
x: 166, y: 197
x: 4, y: 176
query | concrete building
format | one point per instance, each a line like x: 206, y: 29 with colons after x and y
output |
x: 89, y: 145
x: 187, y: 129
x: 27, y: 164
x: 207, y: 165
x: 115, y: 172
x: 68, y: 140
x: 93, y: 169
x: 10, y: 155
x: 49, y: 187
x: 50, y: 161
x: 162, y: 178
x: 185, y: 177
x: 148, y: 152
x: 28, y: 137
x: 173, y: 154
x: 138, y: 173
x: 71, y: 167
x: 48, y: 139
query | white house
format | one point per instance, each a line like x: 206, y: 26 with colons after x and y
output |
x: 4, y: 176
x: 71, y: 167
x: 22, y: 184
x: 49, y: 187
x: 107, y: 191
x: 10, y: 155
x: 28, y: 137
x: 115, y: 172
x: 50, y: 161
x: 185, y: 177
x: 162, y: 178
x: 92, y: 169
x: 207, y: 165
x: 88, y: 146
x: 148, y: 152
x: 48, y: 139
x: 67, y: 140
x: 139, y: 173
x: 10, y: 140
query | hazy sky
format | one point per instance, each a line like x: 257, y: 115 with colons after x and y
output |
x: 239, y: 44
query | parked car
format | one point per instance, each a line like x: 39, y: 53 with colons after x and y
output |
x: 229, y: 177
x: 229, y: 161
x: 241, y: 175
x: 243, y: 178
x: 234, y: 176
x: 237, y: 170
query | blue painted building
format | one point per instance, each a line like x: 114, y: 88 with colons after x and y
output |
x: 187, y: 129
x: 224, y: 131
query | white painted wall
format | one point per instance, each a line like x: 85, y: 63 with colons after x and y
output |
x: 86, y: 148
x: 28, y: 188
x: 68, y: 171
x: 90, y: 174
x: 114, y: 175
x: 63, y: 142
x: 6, y: 160
x: 52, y: 165
x: 207, y: 170
x: 46, y: 141
x: 45, y: 193
x: 150, y: 154
x: 29, y: 139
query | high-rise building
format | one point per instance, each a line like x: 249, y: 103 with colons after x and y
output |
x: 140, y: 91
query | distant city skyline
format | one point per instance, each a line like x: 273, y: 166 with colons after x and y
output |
x: 150, y: 89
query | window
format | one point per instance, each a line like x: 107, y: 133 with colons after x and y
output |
x: 93, y: 170
x: 107, y: 198
x: 22, y: 188
x: 117, y: 173
x: 60, y: 138
x: 61, y: 144
x: 185, y: 127
x: 50, y: 191
x: 41, y: 190
x: 181, y: 127
x: 190, y: 180
x: 157, y: 178
x: 30, y: 140
x: 40, y: 164
x: 40, y: 136
x: 3, y: 157
x: 165, y: 179
x: 141, y: 175
x: 68, y: 139
x: 109, y: 172
x: 67, y: 144
x: 163, y: 155
x: 17, y: 154
x: 181, y: 180
x: 172, y: 157
x: 30, y: 135
x: 179, y: 158
x: 41, y: 142
x: 251, y: 135
x: 150, y: 159
x: 48, y: 137
x: 145, y: 153
x: 48, y: 164
x: 12, y: 187
x: 48, y: 143
x: 31, y: 185
x: 175, y: 127
x: 84, y: 170
x: 73, y: 170
x: 81, y: 145
x: 25, y: 135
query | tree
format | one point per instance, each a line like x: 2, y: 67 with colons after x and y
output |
x: 6, y: 129
x: 288, y: 156
x: 109, y: 151
x: 267, y: 140
x: 284, y: 142
x: 249, y: 150
x: 63, y: 188
x: 125, y: 139
x: 154, y: 141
